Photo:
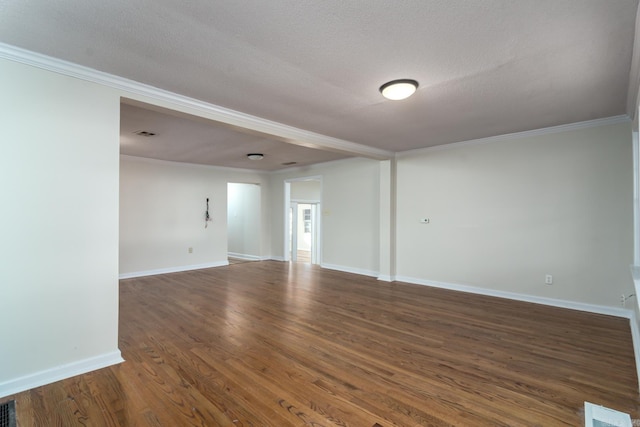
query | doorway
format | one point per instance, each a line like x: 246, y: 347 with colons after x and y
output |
x: 302, y: 231
x: 243, y: 221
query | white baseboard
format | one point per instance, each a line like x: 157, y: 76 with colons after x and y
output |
x: 592, y: 308
x: 350, y: 270
x: 172, y: 270
x: 245, y: 256
x: 386, y: 278
x: 275, y: 258
x: 635, y: 337
x: 58, y: 373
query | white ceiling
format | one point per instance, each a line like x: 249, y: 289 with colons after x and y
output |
x: 183, y: 138
x: 485, y: 68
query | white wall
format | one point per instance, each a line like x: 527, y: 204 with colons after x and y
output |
x: 244, y: 220
x: 59, y: 244
x: 350, y: 213
x: 505, y: 213
x: 162, y: 215
x: 306, y: 190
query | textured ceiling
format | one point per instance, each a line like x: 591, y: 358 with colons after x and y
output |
x: 485, y: 67
x: 183, y: 138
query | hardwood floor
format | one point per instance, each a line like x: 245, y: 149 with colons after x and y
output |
x: 278, y: 344
x: 304, y: 256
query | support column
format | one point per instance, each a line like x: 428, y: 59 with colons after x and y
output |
x: 387, y: 227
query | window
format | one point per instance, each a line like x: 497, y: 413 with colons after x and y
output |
x: 307, y: 220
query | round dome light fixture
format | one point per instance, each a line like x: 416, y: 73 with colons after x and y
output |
x: 399, y: 89
x: 255, y: 156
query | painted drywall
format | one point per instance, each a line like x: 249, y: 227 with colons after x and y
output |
x: 306, y: 191
x: 387, y: 221
x: 349, y: 217
x: 506, y: 213
x: 244, y: 219
x: 162, y: 215
x: 59, y: 245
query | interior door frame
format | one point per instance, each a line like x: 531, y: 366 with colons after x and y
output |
x: 257, y: 220
x: 317, y: 257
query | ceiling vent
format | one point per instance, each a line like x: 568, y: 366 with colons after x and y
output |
x: 289, y: 163
x: 144, y: 133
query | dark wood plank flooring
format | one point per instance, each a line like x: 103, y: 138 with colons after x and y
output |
x: 280, y: 344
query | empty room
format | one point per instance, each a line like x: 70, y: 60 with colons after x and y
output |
x: 291, y: 213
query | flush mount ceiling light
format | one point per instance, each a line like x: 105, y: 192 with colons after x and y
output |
x: 255, y: 156
x: 399, y: 89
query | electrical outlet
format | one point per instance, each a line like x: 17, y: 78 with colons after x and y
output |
x: 190, y: 250
x: 548, y: 279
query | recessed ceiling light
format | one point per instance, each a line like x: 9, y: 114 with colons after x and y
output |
x: 255, y: 156
x: 399, y: 89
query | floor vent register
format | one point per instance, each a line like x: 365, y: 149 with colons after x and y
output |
x: 8, y: 414
x: 599, y: 416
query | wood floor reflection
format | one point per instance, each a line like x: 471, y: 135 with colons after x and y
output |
x: 278, y: 344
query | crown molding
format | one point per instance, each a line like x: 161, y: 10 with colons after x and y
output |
x: 312, y: 168
x: 517, y: 135
x: 285, y: 133
x: 227, y: 169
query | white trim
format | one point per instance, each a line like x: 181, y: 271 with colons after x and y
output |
x: 307, y: 178
x: 196, y: 165
x: 275, y: 258
x: 286, y: 244
x: 635, y: 337
x: 305, y: 201
x: 58, y: 373
x: 245, y: 256
x: 287, y: 217
x: 316, y: 208
x: 635, y: 275
x: 591, y: 308
x: 516, y: 135
x: 172, y: 269
x: 284, y: 132
x: 353, y: 270
x: 386, y: 278
x: 315, y: 166
x: 305, y: 168
x: 636, y: 197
